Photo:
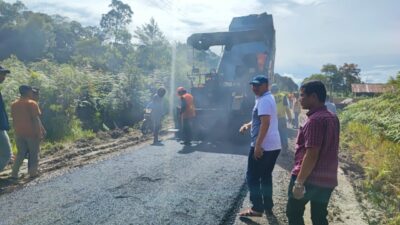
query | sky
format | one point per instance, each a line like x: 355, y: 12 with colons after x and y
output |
x: 309, y: 33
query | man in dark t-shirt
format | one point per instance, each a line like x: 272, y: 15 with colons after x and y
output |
x: 5, y: 146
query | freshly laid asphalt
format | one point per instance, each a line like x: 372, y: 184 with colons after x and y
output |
x: 168, y: 184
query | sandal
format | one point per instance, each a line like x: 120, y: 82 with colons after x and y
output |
x: 250, y: 213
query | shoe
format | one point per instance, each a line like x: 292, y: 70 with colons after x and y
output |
x: 250, y: 213
x: 33, y: 176
x: 269, y: 212
x: 12, y: 179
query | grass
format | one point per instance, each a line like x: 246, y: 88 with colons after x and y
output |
x: 371, y: 135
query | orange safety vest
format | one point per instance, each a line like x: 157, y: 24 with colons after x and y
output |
x: 190, y: 110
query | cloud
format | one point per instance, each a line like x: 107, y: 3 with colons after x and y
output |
x: 191, y: 22
x: 386, y: 66
x: 281, y: 10
x: 307, y: 2
x: 379, y: 74
x: 296, y: 78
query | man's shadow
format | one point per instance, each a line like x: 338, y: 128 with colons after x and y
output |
x: 272, y: 220
x: 220, y: 147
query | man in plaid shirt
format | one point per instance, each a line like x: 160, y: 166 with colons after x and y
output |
x: 314, y: 175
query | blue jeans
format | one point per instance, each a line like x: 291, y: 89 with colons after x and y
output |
x: 259, y: 179
x: 5, y: 149
x: 319, y: 199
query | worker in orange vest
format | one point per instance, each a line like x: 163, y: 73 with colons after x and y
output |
x: 187, y: 114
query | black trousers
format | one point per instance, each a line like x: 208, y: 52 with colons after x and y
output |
x: 259, y: 179
x: 187, y: 130
x: 318, y: 198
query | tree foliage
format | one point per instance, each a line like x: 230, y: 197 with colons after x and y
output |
x: 321, y: 77
x: 114, y: 23
x: 153, y: 46
x: 285, y: 83
x: 90, y: 77
x: 336, y: 79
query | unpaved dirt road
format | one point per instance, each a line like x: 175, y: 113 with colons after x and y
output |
x: 168, y: 184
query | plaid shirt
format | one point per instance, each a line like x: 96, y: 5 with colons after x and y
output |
x: 320, y: 130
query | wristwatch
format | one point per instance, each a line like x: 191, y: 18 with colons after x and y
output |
x: 298, y: 185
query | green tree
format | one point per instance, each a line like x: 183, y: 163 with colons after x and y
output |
x: 153, y: 47
x: 90, y: 53
x: 285, y: 83
x: 321, y: 77
x: 351, y: 74
x: 10, y: 13
x: 334, y: 79
x: 114, y: 23
x: 67, y: 34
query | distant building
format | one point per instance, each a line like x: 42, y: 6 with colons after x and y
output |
x: 370, y: 89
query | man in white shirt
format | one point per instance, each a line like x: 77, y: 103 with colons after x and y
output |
x: 265, y: 148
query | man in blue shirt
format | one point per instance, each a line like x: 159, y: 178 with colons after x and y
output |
x: 5, y: 146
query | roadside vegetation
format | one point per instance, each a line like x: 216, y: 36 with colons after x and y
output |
x: 93, y: 78
x: 371, y: 136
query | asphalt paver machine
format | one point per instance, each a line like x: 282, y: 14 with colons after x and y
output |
x: 223, y: 97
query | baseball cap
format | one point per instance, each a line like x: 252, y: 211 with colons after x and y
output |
x: 4, y: 70
x: 259, y: 79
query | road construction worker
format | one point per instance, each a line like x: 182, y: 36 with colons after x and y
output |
x: 157, y: 111
x: 283, y: 114
x: 187, y: 114
x: 5, y: 146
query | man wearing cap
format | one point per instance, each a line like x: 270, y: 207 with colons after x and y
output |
x: 28, y: 131
x: 5, y: 146
x: 264, y: 150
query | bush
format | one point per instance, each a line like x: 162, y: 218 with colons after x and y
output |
x: 371, y: 135
x: 380, y: 159
x: 382, y: 114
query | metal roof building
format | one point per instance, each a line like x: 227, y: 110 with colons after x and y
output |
x: 370, y: 89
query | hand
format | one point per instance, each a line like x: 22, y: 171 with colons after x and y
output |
x: 298, y: 192
x: 258, y: 152
x: 244, y: 128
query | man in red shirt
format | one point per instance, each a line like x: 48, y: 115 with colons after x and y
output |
x: 28, y: 131
x: 314, y: 175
